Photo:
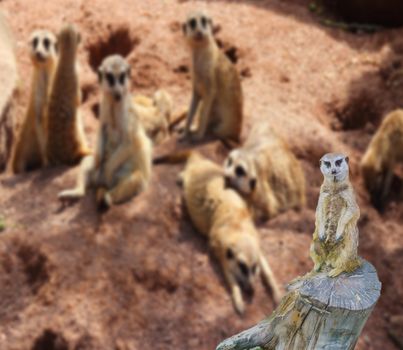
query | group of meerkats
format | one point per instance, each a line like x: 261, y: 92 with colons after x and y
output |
x: 258, y: 180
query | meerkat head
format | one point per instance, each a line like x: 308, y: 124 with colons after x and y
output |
x: 69, y: 38
x: 197, y: 28
x: 114, y: 77
x: 43, y: 47
x: 240, y: 172
x: 334, y: 167
x: 242, y: 261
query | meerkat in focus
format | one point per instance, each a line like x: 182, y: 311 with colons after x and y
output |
x: 66, y: 143
x: 221, y: 214
x: 266, y: 173
x: 30, y: 148
x: 384, y: 152
x: 216, y: 87
x: 121, y: 167
x: 335, y: 240
x: 155, y: 114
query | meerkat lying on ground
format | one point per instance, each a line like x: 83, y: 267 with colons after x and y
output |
x: 384, y: 152
x: 121, y: 167
x: 66, y: 143
x: 266, y: 173
x: 222, y: 215
x: 30, y: 147
x: 335, y: 239
x: 216, y: 87
x: 155, y: 114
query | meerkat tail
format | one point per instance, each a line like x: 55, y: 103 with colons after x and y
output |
x: 173, y: 158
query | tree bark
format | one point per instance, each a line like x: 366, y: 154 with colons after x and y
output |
x: 318, y: 312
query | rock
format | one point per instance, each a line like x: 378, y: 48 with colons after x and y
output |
x: 8, y: 82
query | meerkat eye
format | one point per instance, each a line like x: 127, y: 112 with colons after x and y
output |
x: 230, y: 253
x: 338, y: 162
x: 327, y: 164
x: 193, y: 23
x: 122, y: 78
x: 35, y: 43
x: 243, y: 267
x: 46, y: 43
x: 204, y: 22
x: 239, y: 171
x: 111, y: 79
x: 254, y: 267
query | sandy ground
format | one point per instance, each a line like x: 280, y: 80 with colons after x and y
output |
x: 140, y: 277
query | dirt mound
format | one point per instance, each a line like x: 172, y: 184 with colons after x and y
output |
x: 139, y: 276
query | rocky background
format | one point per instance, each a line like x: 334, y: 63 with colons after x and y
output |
x: 140, y: 277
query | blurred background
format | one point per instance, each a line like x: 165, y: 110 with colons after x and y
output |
x: 323, y: 74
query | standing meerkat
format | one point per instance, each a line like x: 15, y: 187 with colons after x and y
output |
x: 221, y: 214
x: 30, y: 147
x: 384, y: 152
x: 66, y: 143
x: 335, y: 240
x: 216, y: 87
x: 266, y: 173
x: 121, y: 167
x: 155, y: 114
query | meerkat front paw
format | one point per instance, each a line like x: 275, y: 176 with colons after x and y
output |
x: 322, y: 234
x: 103, y: 200
x: 238, y: 301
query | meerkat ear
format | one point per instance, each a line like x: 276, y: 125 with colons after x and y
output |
x: 210, y: 21
x: 129, y: 72
x: 184, y: 28
x: 56, y: 47
x: 78, y: 37
x: 252, y: 184
x: 230, y: 253
x: 347, y: 159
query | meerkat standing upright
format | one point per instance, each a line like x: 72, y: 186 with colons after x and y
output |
x: 222, y: 215
x: 121, y: 167
x: 384, y: 152
x: 66, y: 143
x: 266, y: 173
x: 30, y: 147
x: 335, y: 240
x: 216, y: 87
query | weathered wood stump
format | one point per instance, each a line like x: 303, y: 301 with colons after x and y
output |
x: 318, y: 312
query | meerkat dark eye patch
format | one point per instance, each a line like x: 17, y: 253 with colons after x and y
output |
x: 338, y: 162
x: 254, y: 267
x: 204, y: 22
x: 252, y: 184
x: 122, y: 78
x: 229, y: 161
x: 327, y: 164
x: 35, y: 43
x: 46, y: 43
x: 193, y: 23
x: 111, y: 79
x: 244, y: 268
x: 239, y: 171
x: 230, y: 253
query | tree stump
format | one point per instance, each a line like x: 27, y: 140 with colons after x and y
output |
x: 318, y: 312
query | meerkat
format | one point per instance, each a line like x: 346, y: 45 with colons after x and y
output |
x: 384, y: 152
x: 266, y: 173
x: 121, y: 167
x: 222, y: 215
x: 335, y: 240
x: 155, y: 114
x: 216, y: 88
x: 30, y: 147
x: 66, y: 143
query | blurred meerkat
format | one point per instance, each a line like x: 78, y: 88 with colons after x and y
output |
x: 155, y: 114
x: 30, y: 147
x: 335, y: 240
x: 216, y: 87
x: 384, y: 152
x: 121, y: 167
x: 266, y: 173
x: 66, y: 143
x: 222, y: 215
